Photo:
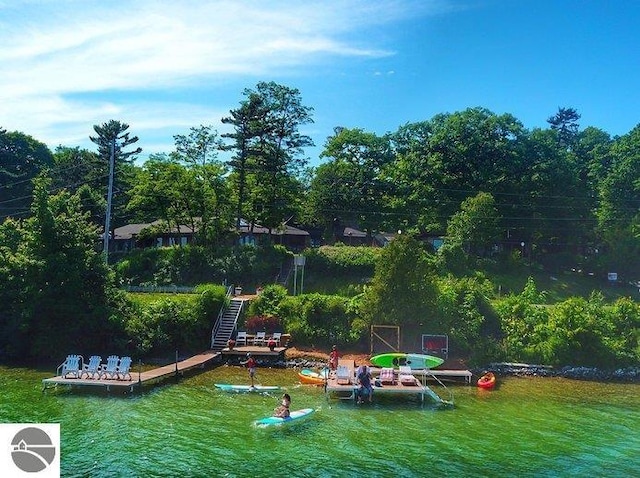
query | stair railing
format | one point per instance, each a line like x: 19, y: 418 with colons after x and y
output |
x: 218, y: 321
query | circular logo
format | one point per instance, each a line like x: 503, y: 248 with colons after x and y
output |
x: 32, y: 450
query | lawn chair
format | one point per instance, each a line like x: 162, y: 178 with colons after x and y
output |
x: 110, y: 370
x: 259, y: 338
x: 343, y: 375
x: 93, y: 368
x: 123, y: 368
x: 406, y: 377
x: 276, y: 338
x: 241, y: 338
x: 387, y: 376
x: 71, y: 367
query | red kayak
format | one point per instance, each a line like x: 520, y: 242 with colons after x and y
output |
x: 487, y: 381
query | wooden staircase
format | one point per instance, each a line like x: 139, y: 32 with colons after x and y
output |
x: 226, y: 324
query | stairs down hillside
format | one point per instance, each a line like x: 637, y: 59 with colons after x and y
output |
x: 226, y: 324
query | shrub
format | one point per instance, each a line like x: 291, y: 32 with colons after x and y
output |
x: 268, y: 323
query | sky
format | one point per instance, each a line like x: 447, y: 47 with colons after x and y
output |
x: 166, y: 66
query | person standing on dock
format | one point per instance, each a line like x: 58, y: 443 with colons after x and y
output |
x: 251, y: 366
x: 333, y: 358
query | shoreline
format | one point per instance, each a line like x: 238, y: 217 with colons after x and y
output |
x: 302, y: 358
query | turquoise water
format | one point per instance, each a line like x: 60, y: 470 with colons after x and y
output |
x: 525, y: 427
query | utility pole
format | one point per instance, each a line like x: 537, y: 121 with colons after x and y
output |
x: 107, y: 219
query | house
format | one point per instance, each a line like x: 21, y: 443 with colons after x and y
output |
x: 291, y: 237
x: 127, y: 238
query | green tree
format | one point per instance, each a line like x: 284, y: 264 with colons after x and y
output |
x: 279, y: 152
x: 64, y: 298
x: 112, y: 138
x: 403, y: 289
x: 565, y: 124
x: 358, y: 190
x: 22, y: 158
x: 475, y: 226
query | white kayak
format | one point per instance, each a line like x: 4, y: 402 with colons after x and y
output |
x: 246, y: 388
x: 293, y: 416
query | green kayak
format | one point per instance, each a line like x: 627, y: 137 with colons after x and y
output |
x: 415, y: 361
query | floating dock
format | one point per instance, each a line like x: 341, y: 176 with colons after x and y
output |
x: 347, y: 389
x: 138, y: 379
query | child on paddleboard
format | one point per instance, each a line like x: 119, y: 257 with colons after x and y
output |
x: 283, y: 410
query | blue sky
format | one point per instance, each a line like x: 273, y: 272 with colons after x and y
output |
x: 165, y: 66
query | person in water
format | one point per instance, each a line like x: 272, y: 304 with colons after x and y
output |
x: 365, y: 387
x: 251, y: 367
x: 333, y: 358
x: 283, y: 410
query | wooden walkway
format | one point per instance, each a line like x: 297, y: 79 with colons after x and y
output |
x: 138, y: 379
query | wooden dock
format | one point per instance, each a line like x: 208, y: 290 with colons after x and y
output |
x: 138, y: 379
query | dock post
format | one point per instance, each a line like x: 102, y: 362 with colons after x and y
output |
x: 176, y: 363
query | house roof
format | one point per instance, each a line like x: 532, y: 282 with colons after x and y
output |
x: 132, y: 230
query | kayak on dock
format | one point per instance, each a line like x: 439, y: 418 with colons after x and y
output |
x: 414, y: 361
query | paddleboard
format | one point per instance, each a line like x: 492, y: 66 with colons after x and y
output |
x: 415, y: 361
x: 294, y: 415
x: 246, y: 388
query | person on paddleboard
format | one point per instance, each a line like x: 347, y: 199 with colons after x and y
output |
x: 283, y: 410
x: 251, y: 366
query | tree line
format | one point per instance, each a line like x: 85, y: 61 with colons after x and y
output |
x: 477, y: 177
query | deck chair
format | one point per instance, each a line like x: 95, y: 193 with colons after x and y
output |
x: 93, y: 368
x: 241, y: 338
x: 343, y: 375
x: 71, y: 367
x: 276, y: 338
x: 110, y: 369
x: 387, y: 376
x: 406, y: 377
x: 259, y: 338
x: 123, y: 369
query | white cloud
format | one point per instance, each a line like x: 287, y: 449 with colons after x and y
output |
x: 64, y: 64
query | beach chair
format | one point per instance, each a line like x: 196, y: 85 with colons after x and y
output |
x: 387, y: 376
x: 241, y: 338
x: 343, y: 375
x: 406, y: 377
x: 71, y: 367
x: 123, y: 369
x: 93, y: 368
x: 110, y: 369
x: 259, y: 338
x: 276, y: 338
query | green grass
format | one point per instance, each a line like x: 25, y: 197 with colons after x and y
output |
x: 149, y: 298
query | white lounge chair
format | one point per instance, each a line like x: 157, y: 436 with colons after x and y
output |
x: 110, y: 370
x: 259, y: 338
x: 71, y: 367
x: 343, y: 375
x: 241, y: 338
x: 276, y: 338
x: 124, y: 366
x: 406, y: 377
x: 93, y: 368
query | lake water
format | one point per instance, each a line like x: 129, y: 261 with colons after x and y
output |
x: 526, y: 427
